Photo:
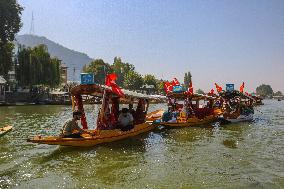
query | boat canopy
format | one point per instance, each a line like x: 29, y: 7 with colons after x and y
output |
x: 194, y: 97
x: 98, y: 91
x: 233, y: 94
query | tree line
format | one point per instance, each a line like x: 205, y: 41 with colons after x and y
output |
x: 127, y: 76
x: 10, y: 24
x: 34, y: 66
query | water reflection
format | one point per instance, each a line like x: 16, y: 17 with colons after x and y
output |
x: 245, y: 155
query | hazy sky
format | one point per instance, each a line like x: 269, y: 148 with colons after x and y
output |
x: 217, y: 41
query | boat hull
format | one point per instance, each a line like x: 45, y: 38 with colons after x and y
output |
x: 190, y: 122
x: 241, y: 118
x: 101, y: 136
x: 5, y: 130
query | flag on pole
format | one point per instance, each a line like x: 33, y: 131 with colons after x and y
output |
x: 190, y: 88
x: 175, y: 82
x: 211, y: 91
x: 168, y: 87
x: 219, y: 88
x: 242, y: 87
x: 110, y: 81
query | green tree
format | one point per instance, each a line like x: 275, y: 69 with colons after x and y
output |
x: 264, y: 90
x: 36, y: 67
x: 161, y: 86
x: 121, y: 69
x: 6, y: 54
x: 200, y: 91
x: 187, y: 79
x: 10, y: 24
x: 278, y: 93
x: 150, y: 80
x: 100, y: 69
x: 133, y: 80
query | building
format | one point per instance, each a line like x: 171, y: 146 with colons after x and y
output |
x: 63, y: 74
x: 2, y: 88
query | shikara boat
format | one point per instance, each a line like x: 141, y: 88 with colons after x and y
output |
x: 237, y: 107
x: 106, y: 129
x: 257, y: 100
x: 5, y: 130
x: 185, y: 110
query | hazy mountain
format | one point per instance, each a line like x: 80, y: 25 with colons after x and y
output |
x: 73, y: 59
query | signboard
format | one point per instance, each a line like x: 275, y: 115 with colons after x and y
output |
x: 87, y: 78
x: 230, y: 87
x: 178, y: 89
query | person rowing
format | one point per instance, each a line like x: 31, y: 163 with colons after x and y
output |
x: 71, y: 128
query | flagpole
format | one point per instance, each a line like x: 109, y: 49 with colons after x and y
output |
x: 104, y: 98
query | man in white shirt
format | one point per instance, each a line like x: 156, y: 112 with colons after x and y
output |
x: 125, y: 120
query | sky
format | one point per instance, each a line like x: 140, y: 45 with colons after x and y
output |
x: 217, y: 41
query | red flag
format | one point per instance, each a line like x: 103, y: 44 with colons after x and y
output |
x: 175, y: 82
x: 219, y: 88
x: 190, y: 88
x: 211, y: 91
x: 242, y: 87
x: 168, y: 87
x: 110, y: 81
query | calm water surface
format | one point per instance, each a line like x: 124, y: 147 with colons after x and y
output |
x: 245, y: 155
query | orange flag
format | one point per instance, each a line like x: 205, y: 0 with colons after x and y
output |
x: 110, y: 81
x: 219, y: 88
x: 211, y: 91
x: 242, y: 88
x: 190, y: 88
x: 175, y: 82
x: 168, y: 87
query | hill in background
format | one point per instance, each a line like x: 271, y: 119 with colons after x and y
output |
x: 73, y: 59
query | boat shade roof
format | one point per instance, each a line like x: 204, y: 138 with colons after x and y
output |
x: 233, y: 94
x: 98, y: 90
x: 192, y: 96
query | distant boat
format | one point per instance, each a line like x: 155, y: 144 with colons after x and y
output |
x: 279, y: 99
x: 5, y: 130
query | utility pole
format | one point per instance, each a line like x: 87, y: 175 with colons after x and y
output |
x: 32, y: 29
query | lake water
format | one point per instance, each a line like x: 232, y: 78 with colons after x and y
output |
x: 244, y: 155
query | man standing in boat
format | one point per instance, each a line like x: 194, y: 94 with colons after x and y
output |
x: 71, y: 128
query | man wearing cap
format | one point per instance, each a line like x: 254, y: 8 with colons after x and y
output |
x: 71, y: 128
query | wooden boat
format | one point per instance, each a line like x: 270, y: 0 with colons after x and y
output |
x: 155, y: 115
x: 237, y: 107
x: 5, y: 130
x: 257, y: 100
x: 106, y: 130
x: 192, y: 121
x: 185, y: 111
x: 99, y: 137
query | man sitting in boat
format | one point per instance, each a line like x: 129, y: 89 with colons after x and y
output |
x: 71, y: 128
x: 125, y: 120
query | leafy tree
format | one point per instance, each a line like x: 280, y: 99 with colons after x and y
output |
x: 264, y: 90
x: 121, y: 69
x: 199, y: 91
x: 84, y: 69
x: 187, y: 79
x: 36, y: 67
x: 6, y: 54
x: 10, y: 24
x: 278, y: 93
x: 160, y: 86
x: 150, y: 80
x: 100, y: 69
x: 133, y: 80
